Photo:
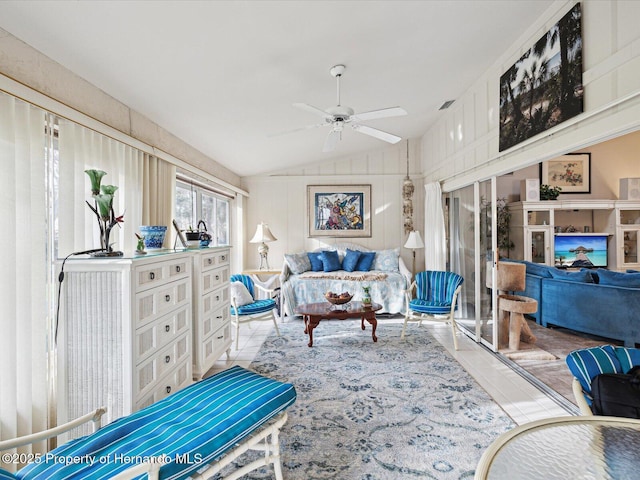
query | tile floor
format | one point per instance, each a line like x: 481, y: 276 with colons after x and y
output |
x: 520, y: 400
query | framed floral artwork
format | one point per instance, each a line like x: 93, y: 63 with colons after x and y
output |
x: 339, y: 210
x: 570, y: 172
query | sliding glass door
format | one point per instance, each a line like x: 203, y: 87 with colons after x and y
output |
x: 472, y: 213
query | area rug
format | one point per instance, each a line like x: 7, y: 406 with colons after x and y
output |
x: 395, y: 409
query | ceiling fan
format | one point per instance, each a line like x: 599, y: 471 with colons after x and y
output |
x: 339, y: 116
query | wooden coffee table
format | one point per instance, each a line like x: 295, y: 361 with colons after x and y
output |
x: 313, y: 313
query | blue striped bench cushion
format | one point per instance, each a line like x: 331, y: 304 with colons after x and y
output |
x: 191, y: 428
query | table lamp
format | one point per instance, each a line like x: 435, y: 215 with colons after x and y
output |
x: 262, y: 236
x: 413, y: 242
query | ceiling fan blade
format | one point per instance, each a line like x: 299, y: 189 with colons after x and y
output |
x: 312, y: 109
x: 374, y: 132
x: 383, y: 113
x: 308, y: 127
x: 331, y: 140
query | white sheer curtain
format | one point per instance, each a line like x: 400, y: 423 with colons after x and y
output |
x: 82, y: 149
x: 435, y: 242
x: 24, y: 291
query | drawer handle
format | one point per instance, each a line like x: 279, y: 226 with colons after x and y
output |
x: 168, y: 389
x: 223, y: 257
x: 220, y: 337
x: 217, y: 277
x: 209, y: 261
x: 219, y: 316
x: 177, y: 268
x: 152, y: 275
x: 217, y: 298
x: 167, y: 359
x: 167, y: 328
x: 167, y: 298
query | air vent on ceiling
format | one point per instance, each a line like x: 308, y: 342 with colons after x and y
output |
x: 446, y: 104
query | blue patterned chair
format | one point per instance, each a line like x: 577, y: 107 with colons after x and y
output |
x: 586, y: 363
x: 436, y: 295
x: 253, y: 308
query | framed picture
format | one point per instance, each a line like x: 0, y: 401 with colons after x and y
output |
x: 339, y: 210
x: 544, y: 87
x: 571, y: 172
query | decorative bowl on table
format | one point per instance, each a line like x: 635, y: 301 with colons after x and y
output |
x: 338, y: 299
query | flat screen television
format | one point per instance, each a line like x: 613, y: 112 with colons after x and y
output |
x: 587, y: 250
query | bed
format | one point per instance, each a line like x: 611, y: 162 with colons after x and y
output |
x: 192, y: 433
x: 387, y: 279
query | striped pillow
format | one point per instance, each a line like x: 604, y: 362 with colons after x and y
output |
x: 586, y: 363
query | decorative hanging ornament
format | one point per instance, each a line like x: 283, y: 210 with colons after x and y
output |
x: 407, y: 203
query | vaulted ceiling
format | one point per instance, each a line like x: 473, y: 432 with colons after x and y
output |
x: 224, y: 75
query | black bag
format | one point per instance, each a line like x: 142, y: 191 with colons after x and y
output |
x: 617, y: 394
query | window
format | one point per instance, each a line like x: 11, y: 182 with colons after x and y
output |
x: 195, y: 203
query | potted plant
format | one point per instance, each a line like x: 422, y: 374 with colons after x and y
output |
x: 102, y: 207
x: 547, y: 192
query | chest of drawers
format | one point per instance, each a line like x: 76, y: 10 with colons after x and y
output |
x: 212, y: 318
x: 125, y: 333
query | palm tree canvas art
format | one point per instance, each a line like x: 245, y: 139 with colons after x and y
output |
x: 544, y: 87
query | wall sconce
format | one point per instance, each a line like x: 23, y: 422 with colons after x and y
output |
x: 262, y: 236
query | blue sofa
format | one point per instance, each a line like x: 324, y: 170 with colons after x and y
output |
x: 598, y: 302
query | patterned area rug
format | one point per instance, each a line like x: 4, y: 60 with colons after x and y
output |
x: 377, y: 411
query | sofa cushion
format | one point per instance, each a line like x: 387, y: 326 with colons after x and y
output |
x: 330, y: 261
x: 238, y: 291
x: 298, y: 262
x: 582, y: 276
x: 365, y: 261
x: 316, y: 262
x: 586, y: 363
x: 387, y: 260
x: 618, y: 279
x: 350, y: 260
x: 543, y: 271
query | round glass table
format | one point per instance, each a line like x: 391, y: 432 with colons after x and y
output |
x: 565, y: 448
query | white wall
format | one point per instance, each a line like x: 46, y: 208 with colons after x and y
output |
x: 281, y: 201
x: 610, y: 161
x: 463, y: 145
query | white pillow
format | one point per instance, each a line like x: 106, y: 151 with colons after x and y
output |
x: 241, y: 294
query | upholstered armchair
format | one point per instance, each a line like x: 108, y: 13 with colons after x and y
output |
x: 246, y: 307
x: 433, y: 295
x: 586, y: 363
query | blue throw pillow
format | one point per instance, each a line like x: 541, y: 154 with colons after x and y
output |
x: 350, y: 260
x: 578, y: 277
x: 330, y: 261
x: 316, y: 263
x: 365, y: 261
x: 618, y: 279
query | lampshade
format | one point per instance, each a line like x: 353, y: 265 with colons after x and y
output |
x: 263, y: 234
x: 414, y: 241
